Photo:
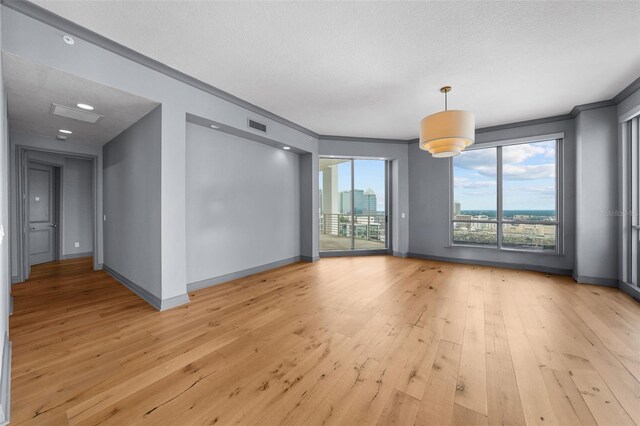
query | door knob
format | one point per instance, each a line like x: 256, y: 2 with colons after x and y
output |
x: 31, y: 228
x: 53, y: 225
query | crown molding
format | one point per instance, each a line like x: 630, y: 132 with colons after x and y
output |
x: 525, y: 123
x: 627, y: 91
x: 594, y: 105
x: 49, y: 18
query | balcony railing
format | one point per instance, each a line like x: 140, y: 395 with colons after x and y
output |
x: 369, y: 227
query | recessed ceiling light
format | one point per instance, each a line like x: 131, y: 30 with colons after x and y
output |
x: 68, y: 39
x: 68, y: 132
x: 380, y: 158
x: 85, y: 106
x: 332, y: 156
x: 213, y: 126
x: 286, y: 147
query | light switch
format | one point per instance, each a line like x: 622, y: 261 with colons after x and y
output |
x: 403, y: 215
x: 77, y: 244
x: 37, y: 198
x: 104, y: 218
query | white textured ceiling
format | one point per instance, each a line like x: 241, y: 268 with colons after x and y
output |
x: 32, y: 88
x: 373, y: 69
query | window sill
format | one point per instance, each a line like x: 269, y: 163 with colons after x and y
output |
x: 508, y: 250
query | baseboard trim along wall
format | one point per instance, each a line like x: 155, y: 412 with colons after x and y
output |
x: 631, y: 290
x: 5, y: 382
x: 151, y: 299
x: 349, y: 253
x: 241, y: 274
x: 522, y: 266
x: 401, y: 255
x: 15, y: 280
x: 173, y: 302
x: 309, y: 258
x: 606, y: 282
x: 76, y: 255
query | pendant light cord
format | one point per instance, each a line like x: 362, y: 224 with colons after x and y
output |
x: 445, y: 100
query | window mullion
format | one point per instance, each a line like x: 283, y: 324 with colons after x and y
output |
x: 499, y: 200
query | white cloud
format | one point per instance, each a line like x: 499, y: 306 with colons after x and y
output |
x: 525, y: 172
x: 516, y: 154
x: 466, y: 183
x: 483, y: 161
x: 544, y: 191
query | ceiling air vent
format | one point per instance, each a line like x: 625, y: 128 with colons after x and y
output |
x: 75, y: 114
x: 257, y: 126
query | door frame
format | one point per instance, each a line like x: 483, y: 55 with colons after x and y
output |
x: 387, y: 204
x: 57, y: 177
x: 22, y: 224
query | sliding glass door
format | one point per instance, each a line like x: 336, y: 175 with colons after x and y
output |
x: 353, y: 204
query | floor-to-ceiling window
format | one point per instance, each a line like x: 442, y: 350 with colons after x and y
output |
x: 631, y: 219
x: 507, y: 197
x: 353, y: 204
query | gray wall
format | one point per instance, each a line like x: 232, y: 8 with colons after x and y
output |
x: 400, y: 183
x: 243, y: 204
x: 131, y: 194
x: 309, y: 185
x: 77, y: 208
x: 429, y: 201
x: 596, y: 194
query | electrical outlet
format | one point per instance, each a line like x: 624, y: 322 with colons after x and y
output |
x: 77, y: 244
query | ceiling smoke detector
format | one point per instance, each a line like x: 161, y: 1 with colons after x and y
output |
x: 68, y: 39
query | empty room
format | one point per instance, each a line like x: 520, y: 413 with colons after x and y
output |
x: 319, y: 212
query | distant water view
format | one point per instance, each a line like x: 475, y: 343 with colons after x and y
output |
x: 532, y: 214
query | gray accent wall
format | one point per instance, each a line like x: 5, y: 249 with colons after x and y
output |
x: 77, y: 208
x: 131, y: 174
x: 597, y: 196
x: 243, y: 204
x: 429, y: 204
x: 309, y: 185
x: 397, y: 154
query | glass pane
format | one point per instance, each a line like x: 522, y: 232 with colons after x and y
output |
x: 477, y: 234
x: 335, y: 204
x: 475, y: 191
x: 528, y: 236
x: 529, y: 182
x: 369, y: 196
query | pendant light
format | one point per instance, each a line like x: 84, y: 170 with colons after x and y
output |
x: 447, y: 133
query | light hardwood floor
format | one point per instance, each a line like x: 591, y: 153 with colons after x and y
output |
x: 363, y: 340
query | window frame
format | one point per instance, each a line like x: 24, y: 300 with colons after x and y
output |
x: 500, y: 221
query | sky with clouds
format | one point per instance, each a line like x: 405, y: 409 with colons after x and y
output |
x: 528, y: 177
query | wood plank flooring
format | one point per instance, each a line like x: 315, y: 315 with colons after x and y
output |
x: 349, y: 341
